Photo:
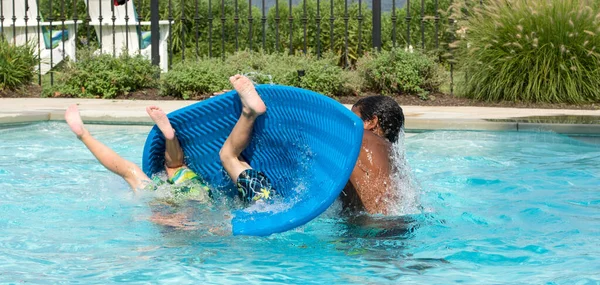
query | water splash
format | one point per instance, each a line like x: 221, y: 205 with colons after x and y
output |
x: 259, y: 78
x: 405, y: 200
x: 176, y: 194
x: 278, y: 204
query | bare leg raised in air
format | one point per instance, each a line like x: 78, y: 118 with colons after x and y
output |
x: 252, y: 107
x: 252, y: 184
x: 173, y: 151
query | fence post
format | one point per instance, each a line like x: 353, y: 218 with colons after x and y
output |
x: 377, y: 25
x: 154, y: 31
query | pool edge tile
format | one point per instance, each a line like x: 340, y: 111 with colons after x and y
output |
x: 453, y: 124
x: 24, y: 117
x: 561, y: 128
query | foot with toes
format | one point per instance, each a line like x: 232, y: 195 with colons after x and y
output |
x: 252, y: 104
x: 160, y: 119
x: 74, y: 121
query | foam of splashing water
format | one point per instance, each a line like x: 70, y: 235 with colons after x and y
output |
x: 276, y: 205
x: 259, y: 78
x: 407, y: 190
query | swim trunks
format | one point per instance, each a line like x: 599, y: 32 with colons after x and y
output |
x: 186, y: 183
x: 182, y: 174
x: 254, y: 185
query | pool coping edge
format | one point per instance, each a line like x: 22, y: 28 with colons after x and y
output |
x: 412, y: 124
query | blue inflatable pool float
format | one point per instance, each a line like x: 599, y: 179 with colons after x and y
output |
x: 306, y: 143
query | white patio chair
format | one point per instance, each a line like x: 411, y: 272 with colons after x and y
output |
x: 127, y: 34
x: 20, y: 31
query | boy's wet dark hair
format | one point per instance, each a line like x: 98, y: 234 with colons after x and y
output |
x: 391, y: 117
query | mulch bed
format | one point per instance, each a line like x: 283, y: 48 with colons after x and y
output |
x: 438, y: 99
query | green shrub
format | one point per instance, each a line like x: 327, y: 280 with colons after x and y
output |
x: 210, y: 75
x: 324, y: 76
x: 203, y: 76
x: 399, y: 71
x: 276, y: 68
x: 532, y: 51
x: 17, y: 64
x: 104, y: 76
x: 353, y: 82
x: 321, y: 75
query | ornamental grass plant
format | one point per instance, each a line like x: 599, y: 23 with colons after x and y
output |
x: 531, y: 51
x: 17, y: 65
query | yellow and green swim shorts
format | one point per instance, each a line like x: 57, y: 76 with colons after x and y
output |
x: 186, y: 183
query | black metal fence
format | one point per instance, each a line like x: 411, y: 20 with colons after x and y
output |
x: 198, y: 28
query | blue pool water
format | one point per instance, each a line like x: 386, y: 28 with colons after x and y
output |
x: 498, y: 208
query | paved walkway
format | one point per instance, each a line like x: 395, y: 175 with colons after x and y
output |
x: 23, y: 110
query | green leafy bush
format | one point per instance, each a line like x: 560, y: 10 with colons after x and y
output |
x: 209, y: 75
x: 203, y: 76
x: 532, y: 51
x: 104, y: 76
x: 400, y: 71
x: 324, y: 76
x: 17, y: 65
x: 276, y: 68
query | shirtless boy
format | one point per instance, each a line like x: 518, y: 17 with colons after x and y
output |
x: 371, y: 188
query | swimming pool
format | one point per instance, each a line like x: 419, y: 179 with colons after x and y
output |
x: 498, y: 208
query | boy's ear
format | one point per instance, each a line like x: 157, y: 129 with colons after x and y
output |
x: 372, y: 123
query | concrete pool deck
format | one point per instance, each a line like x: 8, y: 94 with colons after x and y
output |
x: 418, y: 118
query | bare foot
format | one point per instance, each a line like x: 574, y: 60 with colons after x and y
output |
x: 160, y: 118
x: 74, y: 121
x: 252, y: 104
